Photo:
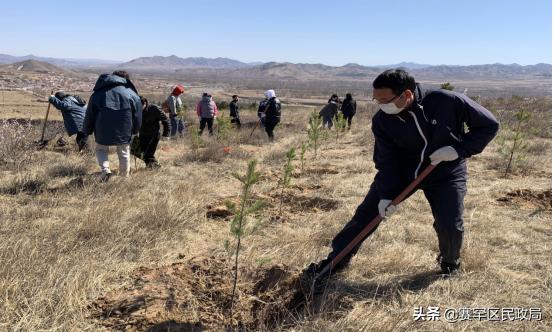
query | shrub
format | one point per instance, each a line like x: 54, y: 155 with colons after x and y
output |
x: 16, y: 143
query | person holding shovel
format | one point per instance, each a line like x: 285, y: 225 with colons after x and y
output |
x: 270, y: 114
x: 114, y: 115
x: 235, y: 111
x: 73, y: 109
x: 149, y: 131
x: 412, y: 130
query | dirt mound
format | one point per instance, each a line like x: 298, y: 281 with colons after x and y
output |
x: 528, y: 198
x: 196, y: 295
x: 302, y: 203
x: 217, y: 212
x: 322, y: 170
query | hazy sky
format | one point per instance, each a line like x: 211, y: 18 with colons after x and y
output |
x: 331, y: 32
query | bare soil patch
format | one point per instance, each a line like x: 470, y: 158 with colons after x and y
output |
x: 196, y: 296
x: 528, y: 198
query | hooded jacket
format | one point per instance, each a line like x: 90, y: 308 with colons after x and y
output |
x: 329, y: 111
x: 151, y: 117
x: 436, y: 119
x: 114, y: 111
x: 272, y: 110
x: 206, y: 108
x: 349, y: 107
x: 72, y: 111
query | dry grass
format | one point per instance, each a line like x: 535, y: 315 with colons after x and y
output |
x: 77, y: 239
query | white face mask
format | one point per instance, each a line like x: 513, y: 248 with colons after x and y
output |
x: 391, y: 108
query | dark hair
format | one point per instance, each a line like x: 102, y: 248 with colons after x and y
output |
x: 348, y: 96
x: 234, y: 96
x: 398, y: 80
x: 122, y: 73
x: 60, y: 95
x: 143, y: 100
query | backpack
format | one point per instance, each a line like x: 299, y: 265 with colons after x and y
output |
x: 165, y: 107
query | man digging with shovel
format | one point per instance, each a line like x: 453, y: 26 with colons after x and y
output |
x: 420, y: 143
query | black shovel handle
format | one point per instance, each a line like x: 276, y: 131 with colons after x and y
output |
x: 46, y: 119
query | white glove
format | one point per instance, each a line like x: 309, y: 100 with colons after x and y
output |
x: 385, y: 209
x: 446, y: 153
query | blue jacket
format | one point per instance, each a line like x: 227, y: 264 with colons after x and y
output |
x: 114, y: 111
x: 72, y: 112
x: 436, y: 119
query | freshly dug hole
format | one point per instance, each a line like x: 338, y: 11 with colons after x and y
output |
x: 196, y: 295
x: 528, y: 198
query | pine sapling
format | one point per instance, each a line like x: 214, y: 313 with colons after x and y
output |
x: 239, y: 223
x: 340, y: 125
x: 196, y: 142
x: 286, y: 175
x: 516, y: 151
x: 303, y: 150
x: 224, y: 129
x: 315, y: 131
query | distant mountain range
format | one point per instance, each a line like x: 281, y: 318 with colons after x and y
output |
x: 225, y: 67
x: 173, y: 62
x: 68, y: 63
x: 34, y: 66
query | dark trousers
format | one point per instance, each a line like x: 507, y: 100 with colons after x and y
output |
x: 327, y: 122
x: 236, y: 120
x: 209, y: 122
x: 148, y: 145
x: 348, y: 117
x: 446, y: 201
x: 270, y: 127
x: 82, y: 140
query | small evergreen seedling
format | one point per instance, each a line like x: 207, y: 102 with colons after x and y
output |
x: 224, y: 129
x: 239, y: 223
x: 341, y: 125
x: 286, y: 175
x: 303, y: 150
x: 517, y: 150
x: 196, y: 142
x: 315, y: 131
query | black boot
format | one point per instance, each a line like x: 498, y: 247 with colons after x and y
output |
x: 448, y: 269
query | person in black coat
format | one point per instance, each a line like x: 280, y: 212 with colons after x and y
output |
x: 149, y: 131
x: 412, y: 130
x: 349, y: 108
x: 271, y: 113
x: 235, y: 112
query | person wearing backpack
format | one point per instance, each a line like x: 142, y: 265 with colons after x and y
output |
x: 271, y: 113
x: 171, y: 106
x: 329, y: 111
x: 206, y: 109
x: 73, y: 109
x: 349, y: 108
x: 149, y: 131
x: 234, y: 111
x: 114, y: 115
